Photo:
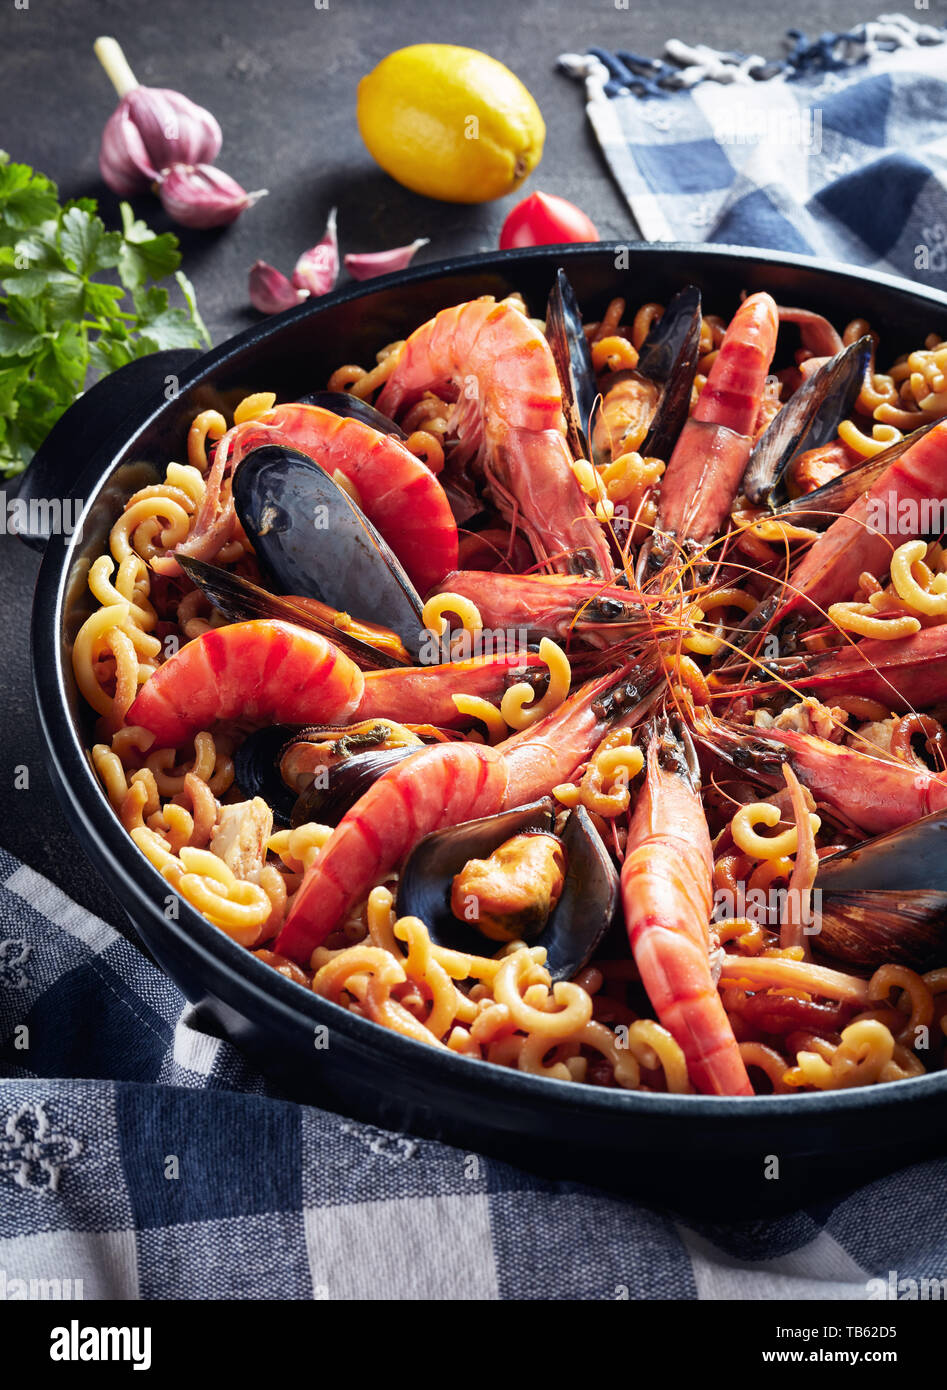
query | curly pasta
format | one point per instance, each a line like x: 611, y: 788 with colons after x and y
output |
x: 513, y: 1015
x: 478, y: 708
x: 432, y: 614
x: 864, y: 1056
x: 768, y: 847
x: 862, y: 619
x: 209, y: 424
x: 629, y: 478
x: 644, y: 320
x: 428, y: 447
x: 238, y: 907
x: 604, y: 787
x: 767, y: 1060
x: 708, y: 643
x: 358, y: 381
x: 914, y: 597
x: 882, y: 437
x: 519, y: 706
x: 929, y: 597
x: 614, y: 354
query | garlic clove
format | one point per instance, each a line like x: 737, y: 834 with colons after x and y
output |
x: 371, y: 263
x: 270, y: 290
x: 318, y: 268
x: 198, y: 195
x: 123, y: 158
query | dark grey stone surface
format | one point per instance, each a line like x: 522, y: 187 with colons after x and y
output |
x: 281, y: 76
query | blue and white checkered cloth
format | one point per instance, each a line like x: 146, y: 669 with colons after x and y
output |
x: 838, y: 150
x: 141, y: 1158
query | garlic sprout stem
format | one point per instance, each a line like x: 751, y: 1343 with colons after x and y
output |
x: 110, y: 55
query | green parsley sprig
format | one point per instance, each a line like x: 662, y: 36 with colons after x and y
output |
x: 64, y: 321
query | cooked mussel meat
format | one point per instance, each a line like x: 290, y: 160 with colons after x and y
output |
x: 654, y: 397
x: 510, y: 895
x: 645, y: 409
x: 517, y: 890
x: 318, y: 772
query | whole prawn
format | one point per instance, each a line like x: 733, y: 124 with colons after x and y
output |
x: 498, y: 368
x: 710, y: 457
x: 667, y: 892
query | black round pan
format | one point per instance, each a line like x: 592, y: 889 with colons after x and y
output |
x: 726, y: 1156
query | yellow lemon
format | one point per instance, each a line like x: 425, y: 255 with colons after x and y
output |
x: 451, y: 123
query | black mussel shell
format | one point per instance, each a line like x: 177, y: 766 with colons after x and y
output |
x: 673, y: 337
x: 332, y: 743
x: 424, y: 885
x: 240, y: 600
x: 354, y: 408
x: 835, y: 497
x: 314, y: 763
x: 346, y: 780
x: 885, y: 899
x: 573, y: 358
x: 809, y: 419
x: 669, y: 354
x: 586, y: 908
x: 579, y: 920
x: 313, y: 540
x: 257, y: 773
x: 911, y: 857
x: 256, y: 769
x: 875, y: 926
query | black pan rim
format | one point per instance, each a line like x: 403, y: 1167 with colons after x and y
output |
x: 115, y: 855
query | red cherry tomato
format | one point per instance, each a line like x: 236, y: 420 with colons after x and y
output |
x: 543, y: 220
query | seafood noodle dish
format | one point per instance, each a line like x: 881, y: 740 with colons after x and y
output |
x: 564, y: 692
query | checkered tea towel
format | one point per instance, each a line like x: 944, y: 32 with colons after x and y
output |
x: 837, y: 150
x: 142, y: 1158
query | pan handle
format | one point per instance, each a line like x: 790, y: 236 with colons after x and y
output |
x: 87, y: 427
